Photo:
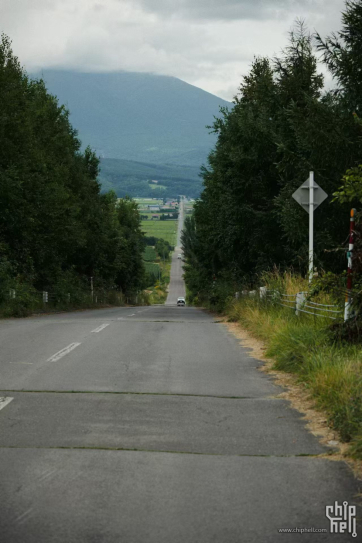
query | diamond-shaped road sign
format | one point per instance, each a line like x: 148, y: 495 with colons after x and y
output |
x: 301, y: 195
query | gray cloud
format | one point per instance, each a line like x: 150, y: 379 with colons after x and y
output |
x: 228, y: 9
x: 207, y: 43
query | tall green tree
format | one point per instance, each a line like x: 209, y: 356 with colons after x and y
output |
x: 283, y: 124
x: 54, y: 221
x: 342, y: 53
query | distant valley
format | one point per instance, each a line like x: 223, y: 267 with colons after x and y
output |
x: 143, y: 126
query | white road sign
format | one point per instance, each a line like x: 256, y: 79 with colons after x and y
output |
x: 310, y: 196
x: 301, y: 195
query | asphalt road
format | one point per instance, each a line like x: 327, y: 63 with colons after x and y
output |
x: 152, y: 425
x: 177, y: 285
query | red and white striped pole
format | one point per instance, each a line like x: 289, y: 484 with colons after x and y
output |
x: 348, y: 302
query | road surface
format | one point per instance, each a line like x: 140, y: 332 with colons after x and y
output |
x: 177, y: 286
x: 152, y: 425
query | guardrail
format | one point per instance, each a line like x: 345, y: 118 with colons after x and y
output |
x: 299, y: 303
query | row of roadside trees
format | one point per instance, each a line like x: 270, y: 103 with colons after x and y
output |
x: 56, y: 228
x: 283, y: 124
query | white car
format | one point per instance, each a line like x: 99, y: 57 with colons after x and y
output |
x: 181, y: 301
x: 179, y: 256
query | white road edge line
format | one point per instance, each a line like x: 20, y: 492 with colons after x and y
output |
x: 101, y: 327
x: 4, y: 401
x: 63, y: 352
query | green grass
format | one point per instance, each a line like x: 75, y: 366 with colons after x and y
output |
x: 332, y: 370
x: 153, y: 268
x: 166, y: 230
x: 157, y: 293
x: 149, y: 254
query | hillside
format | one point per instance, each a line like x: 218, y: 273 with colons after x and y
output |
x: 131, y: 178
x: 140, y: 117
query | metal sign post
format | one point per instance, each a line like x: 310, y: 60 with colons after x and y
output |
x: 316, y: 196
x: 311, y: 225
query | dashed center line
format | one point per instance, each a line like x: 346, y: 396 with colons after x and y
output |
x: 4, y: 402
x: 63, y: 352
x: 101, y: 327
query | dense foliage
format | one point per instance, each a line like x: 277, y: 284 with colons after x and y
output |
x: 56, y: 229
x: 282, y: 126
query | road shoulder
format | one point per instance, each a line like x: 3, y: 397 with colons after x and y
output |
x: 300, y: 399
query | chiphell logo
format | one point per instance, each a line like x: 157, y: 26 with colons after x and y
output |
x: 342, y: 518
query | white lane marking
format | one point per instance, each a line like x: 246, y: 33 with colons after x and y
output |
x: 101, y: 327
x: 30, y: 363
x: 4, y: 401
x: 24, y: 517
x: 46, y: 475
x: 131, y: 315
x: 63, y: 352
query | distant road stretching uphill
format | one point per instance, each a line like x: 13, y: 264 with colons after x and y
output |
x: 177, y: 284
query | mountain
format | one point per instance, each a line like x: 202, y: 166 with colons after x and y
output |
x: 138, y: 116
x: 139, y: 179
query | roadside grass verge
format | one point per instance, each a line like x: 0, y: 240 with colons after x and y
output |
x: 28, y: 301
x: 331, y: 369
x: 157, y: 293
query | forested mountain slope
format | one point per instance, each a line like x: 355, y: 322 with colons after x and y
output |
x: 138, y: 116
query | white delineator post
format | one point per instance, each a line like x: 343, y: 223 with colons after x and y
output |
x: 348, y: 302
x: 262, y: 292
x: 311, y: 224
x: 299, y: 302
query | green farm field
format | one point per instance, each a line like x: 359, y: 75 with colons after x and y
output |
x: 158, y: 187
x: 142, y: 202
x: 161, y: 229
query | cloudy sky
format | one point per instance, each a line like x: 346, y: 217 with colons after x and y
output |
x: 208, y: 43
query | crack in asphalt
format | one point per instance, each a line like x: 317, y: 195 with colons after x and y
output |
x: 195, y: 453
x: 125, y: 393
